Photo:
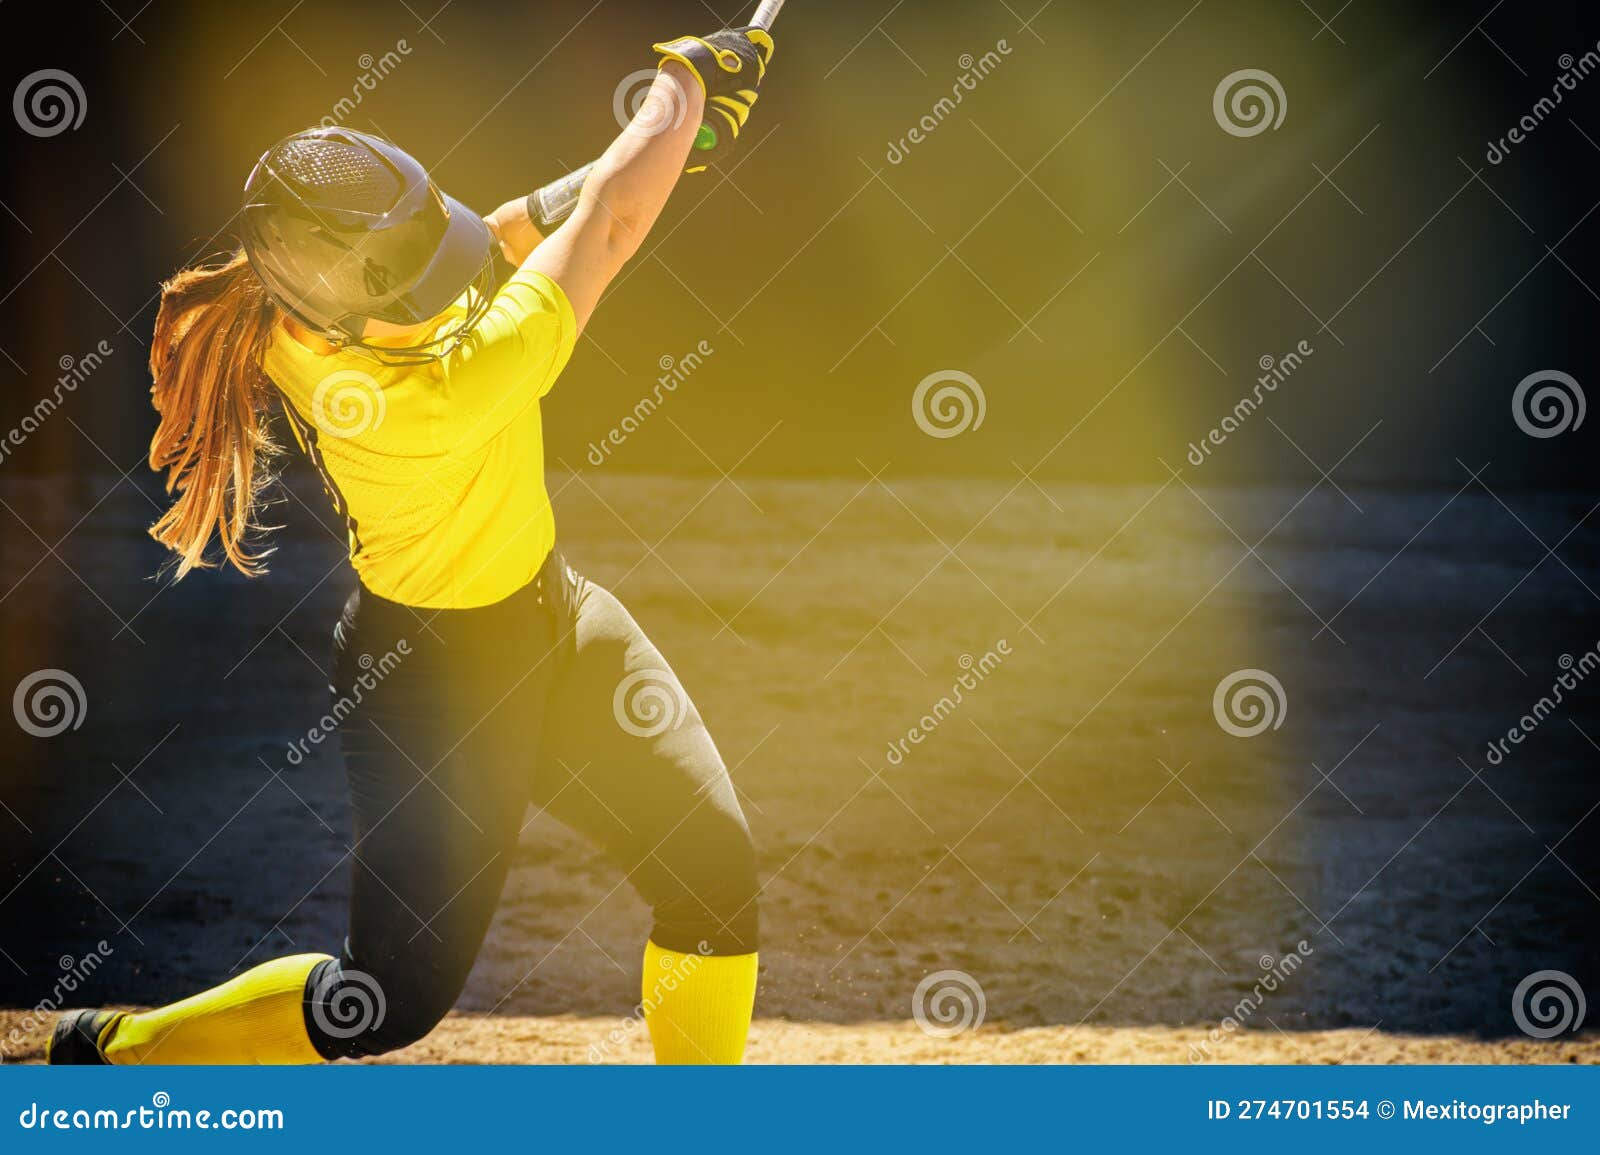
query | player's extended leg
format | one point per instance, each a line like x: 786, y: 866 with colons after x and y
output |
x: 255, y: 1017
x: 439, y: 790
x: 653, y: 791
x: 435, y: 732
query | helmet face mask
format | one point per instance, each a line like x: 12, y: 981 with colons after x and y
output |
x: 345, y: 228
x: 481, y: 295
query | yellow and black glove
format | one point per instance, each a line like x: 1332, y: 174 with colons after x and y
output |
x: 730, y: 66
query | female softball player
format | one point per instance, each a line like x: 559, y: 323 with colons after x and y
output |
x: 363, y: 302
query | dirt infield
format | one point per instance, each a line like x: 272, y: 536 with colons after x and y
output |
x: 466, y: 1038
x: 1079, y: 837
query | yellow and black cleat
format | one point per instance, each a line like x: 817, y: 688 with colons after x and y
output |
x: 79, y: 1037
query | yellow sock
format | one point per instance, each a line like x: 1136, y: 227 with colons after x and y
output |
x: 254, y: 1018
x: 698, y: 1007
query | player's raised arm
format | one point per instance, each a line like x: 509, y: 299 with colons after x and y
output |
x: 710, y: 81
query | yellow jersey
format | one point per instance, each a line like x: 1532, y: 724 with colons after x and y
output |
x: 438, y: 469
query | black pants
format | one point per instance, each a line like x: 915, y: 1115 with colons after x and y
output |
x: 555, y: 697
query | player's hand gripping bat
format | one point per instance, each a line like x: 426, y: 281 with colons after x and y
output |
x: 554, y: 202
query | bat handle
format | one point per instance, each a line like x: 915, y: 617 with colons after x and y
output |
x: 554, y: 203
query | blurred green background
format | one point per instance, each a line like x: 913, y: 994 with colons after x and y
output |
x: 1078, y: 235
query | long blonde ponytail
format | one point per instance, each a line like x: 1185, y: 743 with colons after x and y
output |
x: 213, y: 442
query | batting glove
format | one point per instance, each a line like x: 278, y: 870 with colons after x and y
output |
x: 730, y: 66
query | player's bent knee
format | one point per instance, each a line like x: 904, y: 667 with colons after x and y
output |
x: 711, y: 905
x: 352, y: 1014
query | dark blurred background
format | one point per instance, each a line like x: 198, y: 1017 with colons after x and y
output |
x: 1111, y: 266
x: 828, y: 274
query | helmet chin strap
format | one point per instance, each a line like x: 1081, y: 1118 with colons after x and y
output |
x: 480, y: 295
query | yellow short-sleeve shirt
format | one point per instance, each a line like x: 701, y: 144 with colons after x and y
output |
x: 438, y: 469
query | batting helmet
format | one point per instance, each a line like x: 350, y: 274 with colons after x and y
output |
x: 344, y: 227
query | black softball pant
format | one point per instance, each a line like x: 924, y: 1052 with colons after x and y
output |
x: 450, y: 729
